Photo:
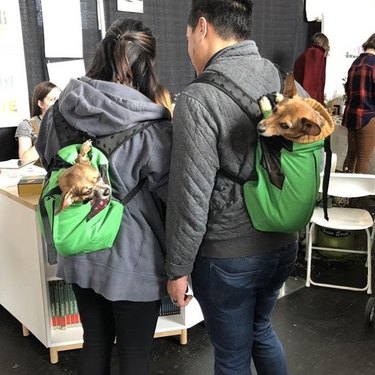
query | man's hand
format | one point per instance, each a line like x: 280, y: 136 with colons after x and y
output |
x: 177, y: 291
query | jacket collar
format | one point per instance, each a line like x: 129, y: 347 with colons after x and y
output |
x: 241, y: 48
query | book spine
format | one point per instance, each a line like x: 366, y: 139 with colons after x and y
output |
x: 57, y: 304
x: 67, y: 305
x: 167, y: 307
x: 52, y: 304
x: 62, y: 304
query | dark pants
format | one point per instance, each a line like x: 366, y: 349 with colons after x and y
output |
x: 237, y: 297
x: 361, y: 143
x: 131, y: 323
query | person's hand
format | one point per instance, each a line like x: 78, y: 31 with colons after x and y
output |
x: 177, y: 291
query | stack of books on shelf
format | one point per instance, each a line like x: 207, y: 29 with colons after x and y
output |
x: 168, y: 308
x: 64, y: 310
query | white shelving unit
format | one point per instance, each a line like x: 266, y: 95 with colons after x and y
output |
x: 24, y: 276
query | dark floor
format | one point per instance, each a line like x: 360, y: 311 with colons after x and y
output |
x: 323, y: 332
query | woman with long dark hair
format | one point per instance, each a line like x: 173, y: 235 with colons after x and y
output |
x: 118, y: 290
x: 44, y: 95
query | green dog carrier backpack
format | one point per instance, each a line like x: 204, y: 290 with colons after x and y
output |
x: 83, y: 227
x: 283, y: 195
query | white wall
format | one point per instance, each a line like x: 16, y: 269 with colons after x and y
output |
x: 14, y: 98
x: 347, y: 24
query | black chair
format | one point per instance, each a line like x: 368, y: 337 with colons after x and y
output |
x: 8, y: 144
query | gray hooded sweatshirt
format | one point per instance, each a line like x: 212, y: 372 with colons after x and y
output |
x: 133, y: 269
x: 206, y: 213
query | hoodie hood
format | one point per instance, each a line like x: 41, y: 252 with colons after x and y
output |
x: 102, y: 108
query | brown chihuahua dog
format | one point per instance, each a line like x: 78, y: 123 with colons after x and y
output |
x: 295, y: 118
x: 82, y: 181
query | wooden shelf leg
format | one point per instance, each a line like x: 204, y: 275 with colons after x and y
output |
x: 53, y: 355
x: 25, y: 331
x: 183, y: 337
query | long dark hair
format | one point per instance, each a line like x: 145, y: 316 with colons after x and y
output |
x: 126, y: 56
x: 41, y: 90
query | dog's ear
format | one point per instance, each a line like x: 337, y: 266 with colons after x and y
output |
x: 290, y: 87
x: 310, y: 127
x: 68, y: 199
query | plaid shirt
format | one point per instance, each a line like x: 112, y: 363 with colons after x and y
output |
x: 360, y: 90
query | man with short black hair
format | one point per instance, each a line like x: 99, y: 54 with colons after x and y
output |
x: 236, y: 271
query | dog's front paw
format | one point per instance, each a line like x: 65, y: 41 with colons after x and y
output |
x: 278, y: 97
x: 83, y: 153
x: 86, y: 147
x: 265, y: 106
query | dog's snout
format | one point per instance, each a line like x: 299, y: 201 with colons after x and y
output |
x: 261, y: 128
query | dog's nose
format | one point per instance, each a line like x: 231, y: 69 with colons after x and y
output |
x: 261, y: 128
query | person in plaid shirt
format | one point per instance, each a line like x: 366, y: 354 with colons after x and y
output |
x: 359, y: 115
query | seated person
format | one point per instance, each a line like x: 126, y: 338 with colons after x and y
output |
x: 45, y: 94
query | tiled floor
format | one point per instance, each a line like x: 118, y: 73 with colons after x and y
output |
x: 323, y: 332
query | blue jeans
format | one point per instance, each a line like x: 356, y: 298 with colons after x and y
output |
x: 237, y: 297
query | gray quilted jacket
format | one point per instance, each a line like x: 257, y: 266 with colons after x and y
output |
x: 205, y: 211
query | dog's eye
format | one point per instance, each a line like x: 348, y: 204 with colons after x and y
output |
x: 284, y: 125
x: 87, y: 191
x: 274, y: 110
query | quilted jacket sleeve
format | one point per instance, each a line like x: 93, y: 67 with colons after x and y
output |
x: 191, y: 181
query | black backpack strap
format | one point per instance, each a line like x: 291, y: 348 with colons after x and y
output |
x: 128, y: 197
x: 230, y: 176
x: 46, y: 224
x: 248, y: 104
x: 327, y: 172
x: 108, y: 144
x: 68, y: 135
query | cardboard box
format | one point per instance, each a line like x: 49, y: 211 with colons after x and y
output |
x: 31, y: 185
